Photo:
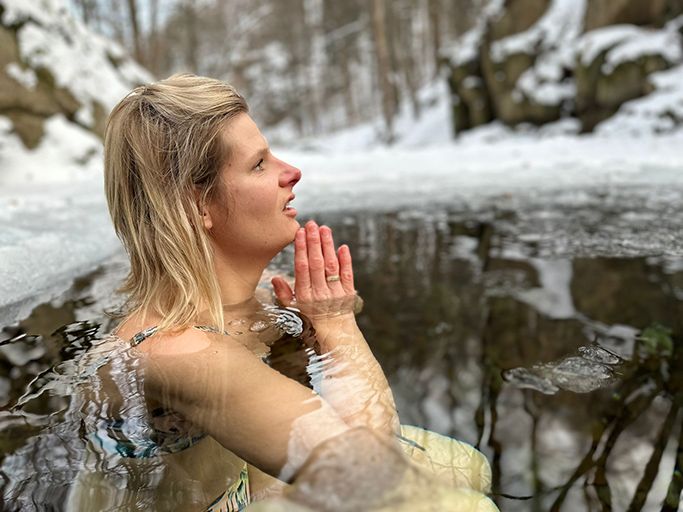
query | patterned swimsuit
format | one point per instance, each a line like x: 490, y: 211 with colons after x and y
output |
x: 133, y: 438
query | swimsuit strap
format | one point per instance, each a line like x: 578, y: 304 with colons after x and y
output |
x: 151, y: 331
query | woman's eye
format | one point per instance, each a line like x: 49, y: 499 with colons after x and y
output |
x: 259, y: 166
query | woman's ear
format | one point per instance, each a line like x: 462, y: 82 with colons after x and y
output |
x: 203, y: 209
x: 206, y: 217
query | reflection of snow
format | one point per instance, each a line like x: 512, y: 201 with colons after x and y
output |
x: 554, y: 297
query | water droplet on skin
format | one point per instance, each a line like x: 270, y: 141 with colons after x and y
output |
x: 237, y: 321
x: 258, y: 326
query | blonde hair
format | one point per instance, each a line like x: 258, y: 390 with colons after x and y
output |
x: 163, y: 150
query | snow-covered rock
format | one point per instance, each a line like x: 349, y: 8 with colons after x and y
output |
x: 553, y: 69
x: 58, y: 81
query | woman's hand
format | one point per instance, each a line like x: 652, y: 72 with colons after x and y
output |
x: 323, y: 287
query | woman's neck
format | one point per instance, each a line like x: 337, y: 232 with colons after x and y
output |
x: 237, y: 278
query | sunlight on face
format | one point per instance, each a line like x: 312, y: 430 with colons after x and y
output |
x: 252, y: 220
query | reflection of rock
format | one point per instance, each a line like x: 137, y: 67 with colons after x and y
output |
x: 625, y: 291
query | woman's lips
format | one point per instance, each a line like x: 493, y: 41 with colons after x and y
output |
x: 290, y: 211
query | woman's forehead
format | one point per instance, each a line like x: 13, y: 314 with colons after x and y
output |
x: 243, y: 137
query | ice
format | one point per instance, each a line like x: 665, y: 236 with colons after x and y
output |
x: 523, y: 378
x: 592, y: 368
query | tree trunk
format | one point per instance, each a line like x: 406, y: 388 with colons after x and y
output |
x: 135, y: 27
x: 434, y: 7
x: 192, y: 42
x: 383, y: 66
x: 153, y: 56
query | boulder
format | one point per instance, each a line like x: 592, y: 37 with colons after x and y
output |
x: 518, y: 16
x: 537, y: 61
x: 471, y: 99
x: 601, y: 13
x: 52, y: 65
x: 605, y: 79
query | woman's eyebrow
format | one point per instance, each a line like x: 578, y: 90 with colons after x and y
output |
x: 259, y: 154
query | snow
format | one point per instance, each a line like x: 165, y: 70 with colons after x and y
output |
x: 433, y: 127
x: 66, y: 153
x: 79, y: 63
x: 79, y: 60
x: 552, y: 37
x: 664, y: 43
x: 481, y: 166
x: 54, y: 218
x: 58, y: 232
x: 25, y: 77
x: 466, y: 48
x: 660, y: 111
x: 595, y: 42
x: 561, y: 23
x: 625, y: 43
x: 50, y: 235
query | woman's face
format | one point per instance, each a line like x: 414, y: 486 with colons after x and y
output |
x: 250, y: 217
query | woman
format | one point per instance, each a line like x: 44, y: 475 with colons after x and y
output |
x: 201, y: 206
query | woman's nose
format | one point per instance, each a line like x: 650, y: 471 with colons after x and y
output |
x: 289, y: 176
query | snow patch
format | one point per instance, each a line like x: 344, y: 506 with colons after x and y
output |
x: 561, y: 23
x: 627, y: 43
x: 659, y: 112
x: 25, y: 77
x: 66, y: 153
x: 466, y: 48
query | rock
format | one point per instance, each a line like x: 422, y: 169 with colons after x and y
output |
x: 509, y: 104
x: 52, y: 65
x: 605, y: 80
x: 519, y: 15
x: 533, y: 61
x: 28, y: 126
x: 472, y: 102
x: 601, y: 13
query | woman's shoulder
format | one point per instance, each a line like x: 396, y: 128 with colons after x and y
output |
x: 143, y: 334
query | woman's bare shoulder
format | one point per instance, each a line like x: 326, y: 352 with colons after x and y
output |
x: 168, y: 342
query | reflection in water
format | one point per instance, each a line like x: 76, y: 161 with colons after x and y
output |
x: 566, y: 372
x: 478, y: 305
x: 98, y: 444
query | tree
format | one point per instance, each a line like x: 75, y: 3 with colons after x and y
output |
x: 384, y: 67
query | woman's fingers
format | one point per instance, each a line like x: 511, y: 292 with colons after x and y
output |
x: 283, y: 291
x: 316, y: 261
x: 302, y: 276
x: 331, y: 261
x: 346, y: 269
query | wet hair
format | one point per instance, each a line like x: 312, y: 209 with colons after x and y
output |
x: 163, y: 151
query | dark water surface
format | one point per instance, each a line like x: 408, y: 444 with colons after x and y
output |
x: 566, y: 371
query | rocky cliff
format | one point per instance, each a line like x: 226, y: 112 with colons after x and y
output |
x: 539, y: 61
x: 58, y: 82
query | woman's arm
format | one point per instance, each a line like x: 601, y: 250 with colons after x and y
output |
x: 265, y: 418
x: 351, y: 380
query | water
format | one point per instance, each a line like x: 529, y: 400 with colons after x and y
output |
x: 549, y: 346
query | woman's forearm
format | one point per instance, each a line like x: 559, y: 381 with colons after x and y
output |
x: 350, y: 379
